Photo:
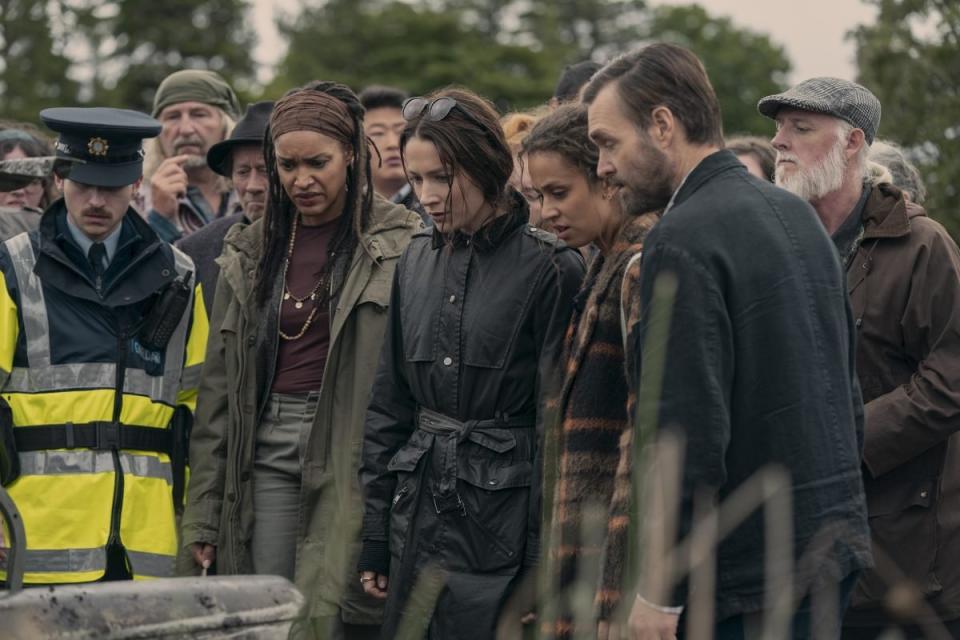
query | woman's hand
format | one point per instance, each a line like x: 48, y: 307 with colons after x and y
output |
x: 374, y: 584
x: 203, y: 554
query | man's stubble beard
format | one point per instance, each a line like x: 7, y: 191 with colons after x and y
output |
x: 647, y: 187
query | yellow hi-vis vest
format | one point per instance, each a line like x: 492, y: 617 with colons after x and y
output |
x: 73, y: 500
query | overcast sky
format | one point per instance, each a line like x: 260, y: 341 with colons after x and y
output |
x: 812, y: 31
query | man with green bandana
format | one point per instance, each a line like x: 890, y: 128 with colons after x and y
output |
x: 180, y: 193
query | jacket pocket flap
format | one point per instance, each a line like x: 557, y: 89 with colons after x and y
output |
x: 378, y: 288
x: 499, y: 440
x: 493, y: 477
x: 409, y: 455
x: 898, y: 497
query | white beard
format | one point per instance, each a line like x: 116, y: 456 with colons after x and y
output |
x: 812, y: 183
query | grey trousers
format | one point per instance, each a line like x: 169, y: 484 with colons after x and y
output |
x: 277, y: 463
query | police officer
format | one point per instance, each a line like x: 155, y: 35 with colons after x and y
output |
x: 100, y: 352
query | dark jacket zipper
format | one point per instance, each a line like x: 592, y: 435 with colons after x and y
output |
x: 117, y: 468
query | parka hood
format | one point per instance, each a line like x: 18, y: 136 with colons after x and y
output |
x: 887, y: 213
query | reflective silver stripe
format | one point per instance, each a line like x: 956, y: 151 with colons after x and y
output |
x: 190, y: 378
x: 157, y: 388
x: 41, y: 376
x: 65, y: 560
x: 176, y: 348
x: 60, y: 462
x: 152, y: 565
x: 33, y: 308
x: 97, y: 375
x: 59, y: 377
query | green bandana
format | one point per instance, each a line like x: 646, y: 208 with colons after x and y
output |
x: 196, y: 85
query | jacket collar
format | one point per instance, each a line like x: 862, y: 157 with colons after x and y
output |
x: 887, y: 214
x: 385, y: 237
x: 709, y: 167
x: 490, y: 235
x: 62, y: 264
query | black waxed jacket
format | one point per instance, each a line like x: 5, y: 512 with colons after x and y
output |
x: 475, y: 326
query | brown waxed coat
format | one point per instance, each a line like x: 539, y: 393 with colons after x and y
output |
x: 219, y: 505
x: 904, y: 286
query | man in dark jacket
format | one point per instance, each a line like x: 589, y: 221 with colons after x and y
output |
x: 903, y: 278
x: 101, y: 347
x: 239, y: 158
x: 759, y: 372
x: 383, y: 121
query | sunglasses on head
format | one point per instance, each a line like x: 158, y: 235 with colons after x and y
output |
x: 436, y: 110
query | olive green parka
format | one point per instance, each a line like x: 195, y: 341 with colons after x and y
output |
x: 240, y: 359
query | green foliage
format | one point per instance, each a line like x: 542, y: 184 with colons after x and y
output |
x: 153, y: 39
x: 513, y: 52
x: 911, y: 60
x: 33, y: 68
x: 584, y: 29
x: 413, y: 47
x: 743, y: 66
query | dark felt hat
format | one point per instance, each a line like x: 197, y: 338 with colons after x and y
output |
x: 109, y: 142
x: 248, y: 131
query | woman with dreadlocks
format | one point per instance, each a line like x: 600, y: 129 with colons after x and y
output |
x: 451, y: 451
x: 297, y: 322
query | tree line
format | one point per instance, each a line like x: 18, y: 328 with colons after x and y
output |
x: 114, y: 53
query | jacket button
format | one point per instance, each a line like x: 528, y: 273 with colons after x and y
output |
x: 231, y: 497
x: 923, y: 494
x: 245, y: 476
x: 251, y: 340
x: 448, y: 361
x: 453, y: 299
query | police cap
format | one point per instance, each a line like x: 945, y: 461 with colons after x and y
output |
x: 109, y: 142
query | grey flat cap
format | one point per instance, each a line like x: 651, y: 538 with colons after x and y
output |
x: 835, y: 97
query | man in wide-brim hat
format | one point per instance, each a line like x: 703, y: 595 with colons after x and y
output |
x: 240, y: 158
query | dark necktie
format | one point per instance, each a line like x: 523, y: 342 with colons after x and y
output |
x: 98, y: 258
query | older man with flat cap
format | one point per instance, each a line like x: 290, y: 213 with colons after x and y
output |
x: 181, y: 194
x: 903, y: 279
x: 239, y: 158
x: 101, y: 345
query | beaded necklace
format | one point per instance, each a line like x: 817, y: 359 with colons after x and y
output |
x: 297, y: 300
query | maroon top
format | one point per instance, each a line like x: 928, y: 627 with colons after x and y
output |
x: 300, y: 362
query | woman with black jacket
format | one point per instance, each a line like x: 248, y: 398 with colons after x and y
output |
x: 480, y: 303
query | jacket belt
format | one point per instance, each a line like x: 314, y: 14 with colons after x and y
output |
x: 450, y: 432
x: 101, y: 436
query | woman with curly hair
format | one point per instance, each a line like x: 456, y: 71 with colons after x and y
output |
x: 585, y: 445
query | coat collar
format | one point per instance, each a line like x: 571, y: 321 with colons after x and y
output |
x: 490, y: 235
x: 887, y: 214
x: 709, y: 167
x: 139, y: 269
x: 385, y: 237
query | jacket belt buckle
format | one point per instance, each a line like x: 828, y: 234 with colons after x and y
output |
x: 447, y: 503
x: 108, y: 436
